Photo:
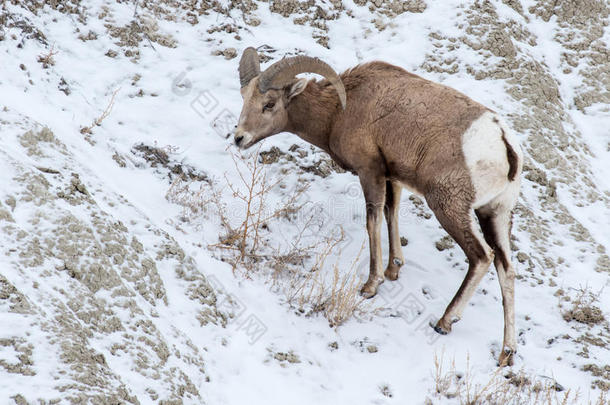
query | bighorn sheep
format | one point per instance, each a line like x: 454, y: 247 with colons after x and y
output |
x: 395, y: 129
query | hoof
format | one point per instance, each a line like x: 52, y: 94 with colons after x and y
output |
x: 443, y: 327
x: 506, y: 357
x: 367, y: 293
x: 391, y: 273
x: 369, y: 290
x: 439, y: 329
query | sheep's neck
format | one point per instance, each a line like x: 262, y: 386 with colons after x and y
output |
x: 310, y: 114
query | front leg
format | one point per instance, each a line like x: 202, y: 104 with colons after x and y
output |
x: 373, y: 186
x: 392, y: 205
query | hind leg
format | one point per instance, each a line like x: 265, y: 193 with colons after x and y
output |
x: 392, y: 204
x: 457, y: 217
x: 495, y: 220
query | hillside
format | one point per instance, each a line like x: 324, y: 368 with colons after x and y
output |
x: 127, y: 276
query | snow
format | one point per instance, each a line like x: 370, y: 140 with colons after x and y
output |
x: 241, y: 366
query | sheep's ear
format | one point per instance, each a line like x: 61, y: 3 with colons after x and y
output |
x: 296, y: 88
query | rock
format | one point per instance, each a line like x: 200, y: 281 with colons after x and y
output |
x: 445, y: 243
x: 230, y: 53
x: 522, y: 257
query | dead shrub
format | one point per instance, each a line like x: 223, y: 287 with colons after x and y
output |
x: 87, y: 130
x: 246, y: 217
x: 508, y: 388
x: 48, y: 59
x: 335, y: 295
x: 583, y: 309
x: 249, y: 220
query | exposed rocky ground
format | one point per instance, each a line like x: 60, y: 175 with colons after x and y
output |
x: 91, y: 280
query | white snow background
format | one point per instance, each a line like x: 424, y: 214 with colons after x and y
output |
x: 241, y: 370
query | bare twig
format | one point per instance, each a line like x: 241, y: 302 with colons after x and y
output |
x: 98, y: 121
x: 245, y: 242
x: 47, y: 59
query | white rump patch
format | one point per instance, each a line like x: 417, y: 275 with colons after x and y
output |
x: 486, y: 157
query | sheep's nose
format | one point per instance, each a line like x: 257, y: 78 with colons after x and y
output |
x: 238, y: 139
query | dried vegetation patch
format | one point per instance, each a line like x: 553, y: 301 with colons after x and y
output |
x: 300, y: 158
x: 246, y: 215
x: 584, y: 310
x: 587, y: 319
x: 160, y: 158
x: 337, y: 297
x: 502, y: 387
x: 251, y: 217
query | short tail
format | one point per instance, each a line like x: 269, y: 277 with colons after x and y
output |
x: 512, y: 157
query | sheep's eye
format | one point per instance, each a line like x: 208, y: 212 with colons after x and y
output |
x: 268, y: 106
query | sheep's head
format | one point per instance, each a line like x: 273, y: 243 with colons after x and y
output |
x: 267, y: 95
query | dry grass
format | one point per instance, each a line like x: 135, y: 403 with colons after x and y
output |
x: 48, y: 59
x: 506, y: 388
x: 249, y: 220
x: 584, y: 309
x: 246, y: 216
x: 195, y: 202
x: 339, y: 299
x: 254, y: 192
x: 344, y: 298
x: 87, y: 130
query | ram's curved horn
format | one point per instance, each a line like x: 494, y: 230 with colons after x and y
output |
x: 249, y: 66
x: 283, y: 72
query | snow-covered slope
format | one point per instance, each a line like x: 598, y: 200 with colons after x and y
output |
x: 110, y: 291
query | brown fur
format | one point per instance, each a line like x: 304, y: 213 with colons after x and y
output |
x: 397, y: 130
x: 410, y: 128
